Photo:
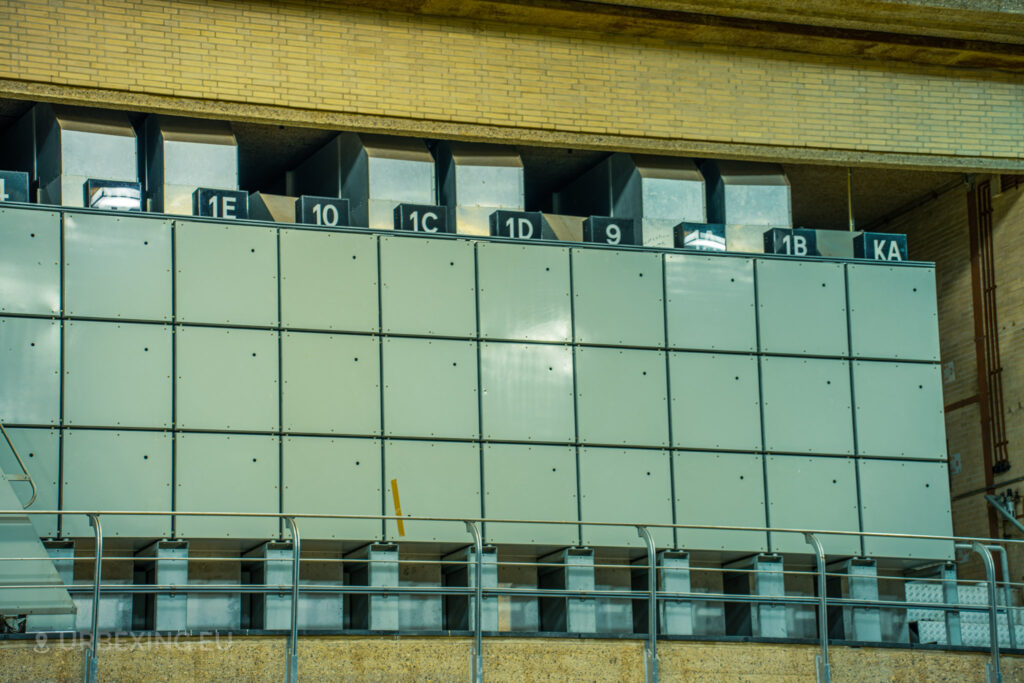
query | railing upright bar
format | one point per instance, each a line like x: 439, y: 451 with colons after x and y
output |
x: 478, y: 603
x: 995, y: 673
x: 652, y: 607
x: 1007, y: 591
x: 293, y: 633
x: 92, y: 654
x: 824, y: 669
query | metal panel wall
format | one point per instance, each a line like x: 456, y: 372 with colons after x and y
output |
x: 893, y: 312
x: 98, y: 466
x: 226, y: 274
x: 225, y: 473
x: 621, y: 397
x: 435, y: 479
x: 906, y: 497
x: 632, y: 486
x: 526, y: 392
x: 724, y: 489
x: 332, y: 476
x: 520, y: 380
x: 806, y: 405
x: 329, y: 281
x: 117, y: 374
x: 29, y: 261
x: 430, y: 388
x: 117, y: 267
x: 802, y: 307
x: 617, y: 297
x: 813, y: 493
x: 899, y: 410
x: 524, y: 292
x: 710, y: 302
x: 30, y: 368
x: 428, y: 286
x: 227, y: 379
x: 331, y: 383
x: 530, y: 482
x: 716, y: 403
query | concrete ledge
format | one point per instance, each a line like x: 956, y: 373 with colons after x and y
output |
x: 376, y: 658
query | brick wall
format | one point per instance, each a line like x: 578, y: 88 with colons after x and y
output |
x: 326, y: 64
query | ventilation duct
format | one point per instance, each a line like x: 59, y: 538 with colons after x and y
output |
x: 476, y: 180
x: 748, y: 193
x: 185, y: 154
x: 657, y: 192
x: 375, y: 173
x: 63, y: 147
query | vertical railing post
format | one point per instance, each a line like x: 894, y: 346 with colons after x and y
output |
x: 652, y: 607
x: 995, y: 673
x: 824, y: 669
x: 92, y: 654
x: 478, y: 604
x: 293, y: 633
x: 1007, y: 592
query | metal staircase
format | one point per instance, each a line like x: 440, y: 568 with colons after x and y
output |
x: 29, y: 583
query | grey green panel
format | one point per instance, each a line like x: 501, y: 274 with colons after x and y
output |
x: 807, y: 405
x: 530, y: 482
x: 40, y: 451
x: 715, y: 401
x: 435, y: 479
x: 802, y: 307
x: 816, y: 494
x: 30, y: 368
x: 625, y: 485
x: 527, y: 392
x: 227, y: 379
x: 331, y: 383
x: 117, y: 374
x: 225, y: 273
x: 724, y: 489
x: 893, y: 312
x: 117, y: 267
x: 18, y: 539
x: 430, y: 388
x: 336, y: 477
x: 524, y: 292
x: 899, y: 410
x: 906, y: 497
x: 617, y: 297
x: 710, y: 302
x: 29, y: 261
x: 222, y: 473
x: 329, y: 281
x: 621, y: 397
x: 428, y: 286
x: 107, y: 470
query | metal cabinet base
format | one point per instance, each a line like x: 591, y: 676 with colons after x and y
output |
x: 380, y: 569
x: 759, y: 576
x: 568, y: 615
x: 856, y: 579
x: 459, y: 609
x: 161, y: 563
x: 675, y: 617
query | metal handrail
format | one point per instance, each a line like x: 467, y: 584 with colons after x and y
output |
x: 24, y: 476
x: 982, y: 546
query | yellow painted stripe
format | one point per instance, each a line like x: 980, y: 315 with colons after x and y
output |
x: 398, y: 507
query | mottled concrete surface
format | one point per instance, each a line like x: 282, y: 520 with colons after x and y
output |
x: 527, y: 660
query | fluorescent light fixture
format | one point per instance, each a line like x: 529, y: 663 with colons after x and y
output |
x: 704, y: 240
x: 113, y: 195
